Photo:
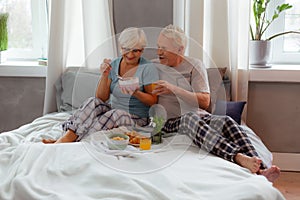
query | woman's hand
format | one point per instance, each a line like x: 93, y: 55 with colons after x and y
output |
x: 105, y: 67
x: 163, y: 87
x: 129, y: 91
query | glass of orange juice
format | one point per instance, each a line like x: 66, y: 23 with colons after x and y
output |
x: 153, y: 85
x: 145, y: 141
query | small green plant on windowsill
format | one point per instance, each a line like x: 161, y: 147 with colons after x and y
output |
x: 3, y: 31
x: 262, y: 23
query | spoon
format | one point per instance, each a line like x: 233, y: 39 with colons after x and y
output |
x: 119, y: 77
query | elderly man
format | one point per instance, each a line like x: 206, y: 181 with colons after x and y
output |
x: 183, y: 91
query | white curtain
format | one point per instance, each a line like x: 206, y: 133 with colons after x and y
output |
x: 78, y: 30
x: 221, y: 27
x: 238, y: 32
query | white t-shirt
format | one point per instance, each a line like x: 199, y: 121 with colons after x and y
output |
x: 190, y: 75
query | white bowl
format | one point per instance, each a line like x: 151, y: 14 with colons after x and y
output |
x: 114, y: 141
x: 129, y: 83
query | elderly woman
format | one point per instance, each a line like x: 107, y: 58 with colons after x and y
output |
x: 127, y: 106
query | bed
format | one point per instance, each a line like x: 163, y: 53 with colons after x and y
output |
x: 175, y: 169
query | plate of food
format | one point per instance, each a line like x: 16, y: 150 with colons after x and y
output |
x: 117, y: 141
x: 134, y: 138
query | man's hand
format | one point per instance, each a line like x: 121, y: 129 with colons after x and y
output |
x: 164, y: 87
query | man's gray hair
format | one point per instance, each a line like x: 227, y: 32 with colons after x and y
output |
x: 177, y: 34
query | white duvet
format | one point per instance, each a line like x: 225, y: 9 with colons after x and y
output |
x: 87, y: 170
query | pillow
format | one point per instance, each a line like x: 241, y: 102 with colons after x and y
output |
x: 259, y: 146
x: 74, y: 86
x: 234, y: 109
x: 216, y: 85
x: 77, y: 84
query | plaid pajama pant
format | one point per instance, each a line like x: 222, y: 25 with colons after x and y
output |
x: 219, y: 135
x: 95, y: 115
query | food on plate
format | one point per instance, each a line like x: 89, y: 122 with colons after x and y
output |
x: 118, y: 138
x: 134, y: 137
x: 135, y: 140
x: 117, y: 141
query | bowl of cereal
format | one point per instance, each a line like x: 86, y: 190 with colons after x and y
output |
x: 129, y: 83
x: 117, y: 141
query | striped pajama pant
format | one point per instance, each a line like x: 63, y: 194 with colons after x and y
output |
x: 219, y: 135
x: 95, y: 115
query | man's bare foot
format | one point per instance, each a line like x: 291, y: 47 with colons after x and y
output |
x: 251, y: 163
x: 48, y: 141
x: 271, y: 174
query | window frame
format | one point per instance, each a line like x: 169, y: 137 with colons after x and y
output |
x: 39, y: 35
x: 278, y: 55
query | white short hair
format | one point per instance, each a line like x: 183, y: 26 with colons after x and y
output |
x: 175, y: 33
x: 132, y: 37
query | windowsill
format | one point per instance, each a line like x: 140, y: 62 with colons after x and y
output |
x: 22, y: 69
x: 276, y: 73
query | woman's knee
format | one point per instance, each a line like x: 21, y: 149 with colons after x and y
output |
x: 119, y: 115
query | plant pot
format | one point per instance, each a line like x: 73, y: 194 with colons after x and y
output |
x: 259, y: 53
x: 157, y: 138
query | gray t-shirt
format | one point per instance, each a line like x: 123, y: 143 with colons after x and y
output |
x: 190, y: 75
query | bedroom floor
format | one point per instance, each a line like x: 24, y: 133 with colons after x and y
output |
x: 289, y: 185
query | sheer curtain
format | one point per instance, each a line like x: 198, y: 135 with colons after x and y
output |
x: 222, y: 29
x: 78, y: 28
x: 238, y: 23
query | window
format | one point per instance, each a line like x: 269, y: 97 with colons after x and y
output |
x: 292, y: 22
x: 286, y: 48
x: 27, y: 28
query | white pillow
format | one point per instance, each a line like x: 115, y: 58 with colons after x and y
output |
x: 259, y: 146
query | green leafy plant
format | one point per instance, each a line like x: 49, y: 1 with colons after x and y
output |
x: 157, y: 123
x: 262, y: 23
x: 3, y: 31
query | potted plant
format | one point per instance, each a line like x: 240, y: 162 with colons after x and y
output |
x: 260, y: 46
x: 3, y: 36
x: 157, y: 122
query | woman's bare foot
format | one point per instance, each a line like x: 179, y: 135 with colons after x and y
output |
x: 48, y: 141
x: 70, y: 136
x: 251, y: 163
x: 271, y: 174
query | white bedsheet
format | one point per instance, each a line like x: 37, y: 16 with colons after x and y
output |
x: 32, y: 170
